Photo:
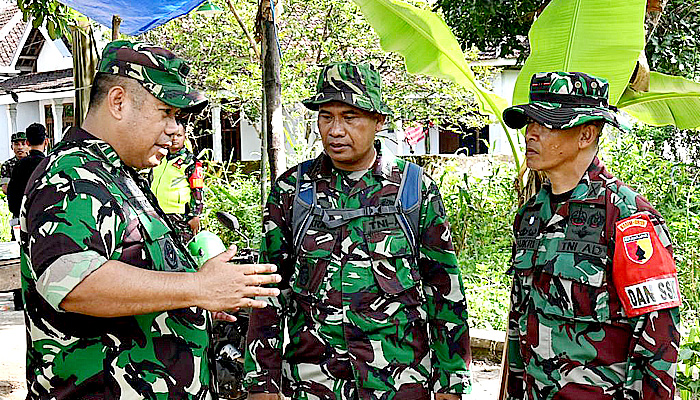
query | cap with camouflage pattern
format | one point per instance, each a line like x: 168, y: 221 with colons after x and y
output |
x: 158, y: 70
x: 358, y: 85
x: 563, y: 100
x: 17, y: 136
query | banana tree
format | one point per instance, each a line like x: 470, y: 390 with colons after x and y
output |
x: 606, y: 39
x: 599, y: 37
x: 430, y: 48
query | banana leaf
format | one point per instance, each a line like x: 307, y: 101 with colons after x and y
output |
x: 671, y: 100
x: 429, y: 48
x: 599, y: 37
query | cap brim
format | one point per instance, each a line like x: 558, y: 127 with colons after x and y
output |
x: 187, y: 99
x: 313, y: 103
x: 554, y: 117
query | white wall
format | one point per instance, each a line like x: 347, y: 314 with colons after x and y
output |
x: 5, y: 149
x: 503, y: 86
x: 27, y: 114
x: 250, y: 141
x: 53, y: 56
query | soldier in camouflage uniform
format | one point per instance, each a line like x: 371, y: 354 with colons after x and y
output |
x: 362, y: 315
x: 594, y: 306
x: 115, y: 308
x: 21, y: 149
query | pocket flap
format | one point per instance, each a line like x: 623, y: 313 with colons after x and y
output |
x: 153, y: 227
x: 394, y: 275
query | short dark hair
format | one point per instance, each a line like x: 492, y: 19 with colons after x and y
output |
x: 103, y: 82
x: 36, y: 134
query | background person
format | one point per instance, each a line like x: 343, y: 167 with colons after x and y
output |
x: 178, y: 183
x: 36, y: 139
x: 364, y: 314
x: 594, y: 307
x: 115, y: 307
x: 20, y: 148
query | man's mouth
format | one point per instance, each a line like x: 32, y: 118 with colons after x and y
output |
x: 337, y: 146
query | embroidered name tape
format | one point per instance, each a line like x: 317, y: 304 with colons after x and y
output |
x: 651, y: 293
x: 644, y: 272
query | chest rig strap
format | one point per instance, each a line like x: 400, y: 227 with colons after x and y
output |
x: 406, y: 206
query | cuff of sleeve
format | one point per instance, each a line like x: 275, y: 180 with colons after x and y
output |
x: 65, y: 273
x: 4, y: 181
x: 459, y: 382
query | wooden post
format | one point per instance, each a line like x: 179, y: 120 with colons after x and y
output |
x: 84, y: 66
x: 272, y: 86
x: 116, y: 21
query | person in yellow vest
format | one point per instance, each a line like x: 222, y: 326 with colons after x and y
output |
x: 178, y: 183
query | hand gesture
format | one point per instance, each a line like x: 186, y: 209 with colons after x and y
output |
x: 227, y: 286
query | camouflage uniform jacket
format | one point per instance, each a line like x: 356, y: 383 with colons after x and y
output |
x: 359, y: 316
x: 84, y: 207
x: 568, y: 335
x: 6, y: 170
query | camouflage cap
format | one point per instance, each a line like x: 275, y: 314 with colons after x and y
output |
x: 17, y: 136
x: 563, y: 100
x: 358, y: 85
x: 158, y: 70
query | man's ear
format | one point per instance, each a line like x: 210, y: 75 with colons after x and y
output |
x: 116, y: 98
x: 588, y: 135
x: 380, y: 122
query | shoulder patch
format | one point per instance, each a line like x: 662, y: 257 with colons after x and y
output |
x: 644, y: 272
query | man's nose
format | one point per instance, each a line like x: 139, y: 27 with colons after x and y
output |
x: 171, y: 126
x: 531, y: 131
x: 336, y: 129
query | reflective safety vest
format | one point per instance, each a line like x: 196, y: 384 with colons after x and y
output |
x: 171, y: 186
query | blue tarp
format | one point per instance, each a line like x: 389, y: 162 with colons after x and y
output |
x: 137, y: 16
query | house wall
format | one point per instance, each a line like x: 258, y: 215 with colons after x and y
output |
x: 5, y: 149
x: 53, y: 56
x: 503, y: 86
x: 27, y: 114
x: 250, y: 141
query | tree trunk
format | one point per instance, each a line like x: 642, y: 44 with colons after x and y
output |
x: 640, y: 78
x: 272, y: 87
x: 654, y: 10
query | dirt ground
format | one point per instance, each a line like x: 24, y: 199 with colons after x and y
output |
x: 12, y: 348
x: 12, y: 352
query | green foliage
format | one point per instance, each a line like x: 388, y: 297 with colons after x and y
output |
x: 312, y: 33
x: 492, y: 24
x: 674, y: 48
x: 220, y: 56
x: 237, y: 193
x: 58, y: 17
x: 673, y: 188
x: 5, y: 216
x: 670, y: 100
x: 688, y: 379
x: 569, y: 33
x: 480, y: 208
